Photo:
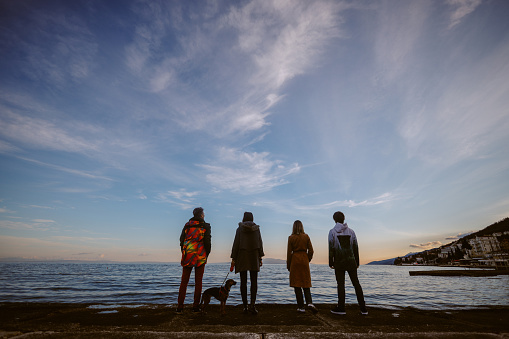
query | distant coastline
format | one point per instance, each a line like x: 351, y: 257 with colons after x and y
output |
x: 268, y: 261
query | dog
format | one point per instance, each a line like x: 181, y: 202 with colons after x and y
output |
x: 220, y: 293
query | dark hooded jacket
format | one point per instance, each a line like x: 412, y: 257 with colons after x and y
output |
x: 247, y: 247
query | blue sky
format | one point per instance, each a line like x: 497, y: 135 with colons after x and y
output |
x: 117, y: 118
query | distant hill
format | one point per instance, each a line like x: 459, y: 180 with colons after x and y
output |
x: 387, y: 261
x: 270, y: 261
x: 383, y: 262
x: 500, y: 226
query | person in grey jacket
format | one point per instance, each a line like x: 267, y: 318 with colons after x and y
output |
x: 247, y: 253
x: 344, y: 257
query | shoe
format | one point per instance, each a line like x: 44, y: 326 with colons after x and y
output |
x: 338, y: 310
x: 196, y: 310
x: 364, y: 310
x: 312, y: 308
x: 179, y: 311
x: 253, y: 309
x: 301, y: 310
x: 246, y: 309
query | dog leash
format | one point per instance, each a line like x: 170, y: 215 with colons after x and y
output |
x: 225, y: 279
x: 231, y: 269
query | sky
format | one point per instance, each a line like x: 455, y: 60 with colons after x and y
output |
x: 118, y: 118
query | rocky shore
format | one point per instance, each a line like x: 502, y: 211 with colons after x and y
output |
x: 48, y: 320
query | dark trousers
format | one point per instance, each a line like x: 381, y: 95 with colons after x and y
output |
x: 253, y: 275
x: 307, y: 295
x: 340, y: 278
x: 198, y: 277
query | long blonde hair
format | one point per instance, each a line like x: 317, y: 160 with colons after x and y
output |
x: 298, y: 228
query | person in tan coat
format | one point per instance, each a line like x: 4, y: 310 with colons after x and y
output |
x: 299, y: 254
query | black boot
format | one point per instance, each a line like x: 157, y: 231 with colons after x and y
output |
x: 253, y: 309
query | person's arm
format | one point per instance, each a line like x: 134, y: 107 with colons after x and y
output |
x: 331, y: 250
x: 310, y: 249
x: 235, y: 246
x: 261, y: 253
x: 288, y: 255
x: 260, y: 249
x: 207, y: 239
x: 182, y: 238
x: 355, y: 247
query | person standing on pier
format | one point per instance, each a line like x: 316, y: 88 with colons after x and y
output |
x: 299, y: 254
x: 344, y: 257
x: 247, y: 253
x: 195, y: 246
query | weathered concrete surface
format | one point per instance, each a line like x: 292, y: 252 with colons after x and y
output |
x: 34, y: 320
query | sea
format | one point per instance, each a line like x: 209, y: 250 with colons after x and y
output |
x: 117, y: 284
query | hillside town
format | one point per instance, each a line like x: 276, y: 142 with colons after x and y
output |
x: 486, y: 248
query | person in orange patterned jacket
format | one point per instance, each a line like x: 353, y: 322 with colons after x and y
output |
x: 195, y: 247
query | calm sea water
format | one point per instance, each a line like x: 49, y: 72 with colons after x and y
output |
x: 107, y: 284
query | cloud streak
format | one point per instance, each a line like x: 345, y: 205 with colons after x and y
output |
x: 382, y: 199
x: 427, y: 245
x: 247, y: 173
x: 462, y: 9
x: 253, y: 50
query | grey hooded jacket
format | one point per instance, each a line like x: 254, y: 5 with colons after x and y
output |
x: 343, y: 248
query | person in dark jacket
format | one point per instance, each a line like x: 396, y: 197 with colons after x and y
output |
x: 195, y: 246
x: 344, y: 257
x: 247, y: 253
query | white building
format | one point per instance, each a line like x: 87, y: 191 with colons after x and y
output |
x: 484, y: 246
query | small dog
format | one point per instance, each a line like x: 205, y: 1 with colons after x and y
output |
x: 220, y: 293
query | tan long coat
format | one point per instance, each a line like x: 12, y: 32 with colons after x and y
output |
x: 299, y: 254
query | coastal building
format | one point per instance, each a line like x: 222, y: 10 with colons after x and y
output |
x: 487, y: 251
x: 484, y: 246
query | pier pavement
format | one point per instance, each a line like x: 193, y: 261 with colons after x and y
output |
x: 49, y: 320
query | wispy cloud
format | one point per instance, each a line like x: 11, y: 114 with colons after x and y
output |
x: 453, y: 129
x: 246, y: 173
x: 181, y: 198
x: 252, y: 50
x: 67, y: 170
x: 43, y: 134
x: 43, y: 221
x: 398, y: 33
x: 59, y: 47
x: 462, y: 9
x: 382, y: 199
x: 43, y: 207
x: 39, y: 224
x: 427, y: 245
x: 458, y: 236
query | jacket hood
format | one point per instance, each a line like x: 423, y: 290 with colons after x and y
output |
x: 340, y: 228
x: 248, y: 226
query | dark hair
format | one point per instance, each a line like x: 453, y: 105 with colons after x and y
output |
x: 198, y: 212
x: 298, y: 228
x: 248, y: 216
x: 339, y: 217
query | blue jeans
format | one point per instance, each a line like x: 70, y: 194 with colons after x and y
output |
x: 340, y: 278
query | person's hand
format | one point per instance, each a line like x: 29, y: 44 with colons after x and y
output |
x: 261, y: 264
x: 332, y: 267
x: 232, y: 266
